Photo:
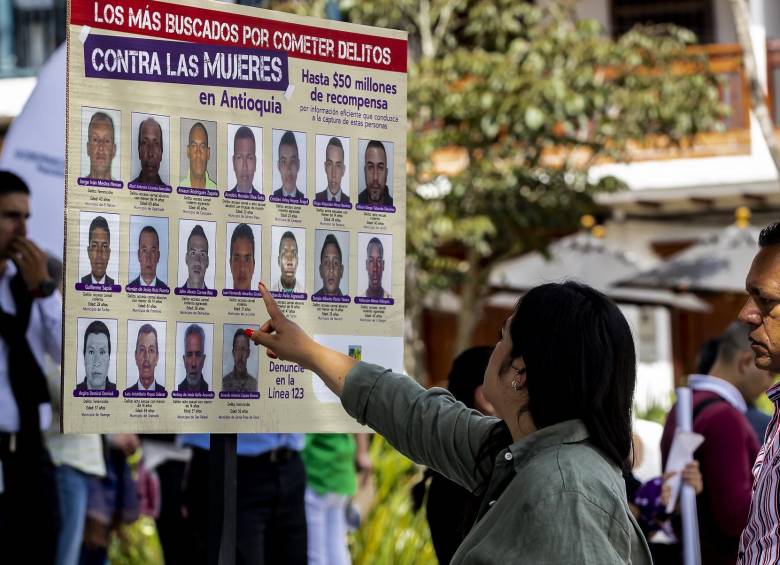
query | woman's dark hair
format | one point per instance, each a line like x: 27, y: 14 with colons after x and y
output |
x: 467, y: 373
x: 580, y: 362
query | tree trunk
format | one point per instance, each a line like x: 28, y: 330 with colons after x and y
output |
x: 471, y: 304
x: 414, y: 342
x: 739, y: 9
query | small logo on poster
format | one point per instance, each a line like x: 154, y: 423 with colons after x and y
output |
x: 356, y: 352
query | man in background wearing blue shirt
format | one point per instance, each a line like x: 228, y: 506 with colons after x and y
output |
x: 271, y: 516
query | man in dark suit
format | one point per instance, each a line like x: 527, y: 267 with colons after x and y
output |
x: 288, y: 164
x: 146, y: 356
x: 148, y: 258
x: 375, y: 171
x: 99, y: 252
x: 97, y: 358
x: 30, y: 330
x: 334, y: 171
x: 244, y: 161
x: 194, y: 358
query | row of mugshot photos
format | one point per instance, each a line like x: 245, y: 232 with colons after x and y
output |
x: 148, y: 260
x: 199, y: 158
x: 147, y: 344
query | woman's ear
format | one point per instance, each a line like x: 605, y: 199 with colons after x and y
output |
x: 519, y: 376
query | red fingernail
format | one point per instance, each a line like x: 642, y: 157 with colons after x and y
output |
x: 249, y: 332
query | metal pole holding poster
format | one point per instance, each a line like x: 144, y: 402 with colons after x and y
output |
x: 222, y: 499
x: 690, y: 520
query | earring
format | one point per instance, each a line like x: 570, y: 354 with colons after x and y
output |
x: 515, y: 385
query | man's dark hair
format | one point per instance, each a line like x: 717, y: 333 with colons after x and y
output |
x: 198, y: 230
x: 330, y: 239
x: 243, y: 133
x: 201, y: 126
x: 103, y: 117
x: 242, y: 231
x: 376, y: 242
x: 335, y: 142
x: 146, y: 329
x: 149, y: 229
x: 239, y: 333
x: 377, y: 145
x: 708, y: 352
x: 159, y: 127
x: 97, y: 327
x: 197, y: 330
x: 288, y: 138
x: 12, y: 184
x: 734, y: 340
x: 770, y: 235
x: 467, y: 373
x: 98, y: 223
x: 580, y: 362
x: 287, y: 235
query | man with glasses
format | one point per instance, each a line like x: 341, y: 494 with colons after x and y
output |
x: 198, y: 153
x: 194, y: 358
x: 288, y: 264
x: 148, y: 258
x: 97, y: 357
x: 197, y: 258
x: 99, y: 252
x: 101, y: 148
x: 375, y: 267
x: 331, y: 267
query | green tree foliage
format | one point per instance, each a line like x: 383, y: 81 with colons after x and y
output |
x: 510, y: 104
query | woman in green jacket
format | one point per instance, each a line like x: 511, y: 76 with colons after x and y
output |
x: 561, y: 379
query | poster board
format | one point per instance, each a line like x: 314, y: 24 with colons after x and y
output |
x: 210, y: 146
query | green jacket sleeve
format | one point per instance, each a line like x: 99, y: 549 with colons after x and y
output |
x: 428, y: 426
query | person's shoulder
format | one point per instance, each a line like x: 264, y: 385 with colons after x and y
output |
x: 345, y: 198
x: 82, y: 385
x: 320, y: 196
x: 160, y: 284
x: 86, y: 279
x: 182, y: 385
x: 204, y: 386
x: 135, y: 282
x: 134, y: 387
x: 299, y: 194
x: 278, y: 192
x: 110, y: 385
x: 109, y: 280
x: 363, y: 197
x: 158, y: 387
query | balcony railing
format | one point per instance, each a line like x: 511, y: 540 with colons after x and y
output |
x: 30, y: 30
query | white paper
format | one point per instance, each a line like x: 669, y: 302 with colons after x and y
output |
x: 681, y: 452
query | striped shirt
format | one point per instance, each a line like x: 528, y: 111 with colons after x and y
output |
x: 760, y: 542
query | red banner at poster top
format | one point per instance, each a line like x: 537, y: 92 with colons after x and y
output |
x: 186, y: 23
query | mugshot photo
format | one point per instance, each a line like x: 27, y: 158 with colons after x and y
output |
x: 288, y: 177
x: 243, y: 256
x: 101, y: 137
x: 150, y: 149
x: 198, y: 154
x: 332, y: 169
x: 240, y: 360
x: 375, y: 175
x: 98, y: 248
x: 375, y: 259
x: 148, y: 257
x: 245, y: 159
x: 197, y: 240
x: 145, y: 356
x: 194, y: 344
x: 331, y: 260
x: 96, y: 343
x: 288, y: 259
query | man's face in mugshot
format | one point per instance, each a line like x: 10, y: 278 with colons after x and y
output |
x: 762, y: 310
x: 375, y: 169
x: 194, y: 358
x: 288, y: 167
x: 96, y: 358
x: 150, y: 149
x: 240, y: 354
x: 99, y: 252
x: 331, y: 269
x: 198, y: 151
x: 146, y: 357
x: 197, y: 260
x: 242, y: 263
x: 334, y: 168
x: 148, y: 254
x: 244, y: 163
x: 375, y: 265
x: 288, y: 261
x: 100, y: 149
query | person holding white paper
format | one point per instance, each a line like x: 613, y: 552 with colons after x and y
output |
x: 561, y: 379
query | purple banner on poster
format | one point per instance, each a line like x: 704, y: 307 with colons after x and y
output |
x: 154, y: 60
